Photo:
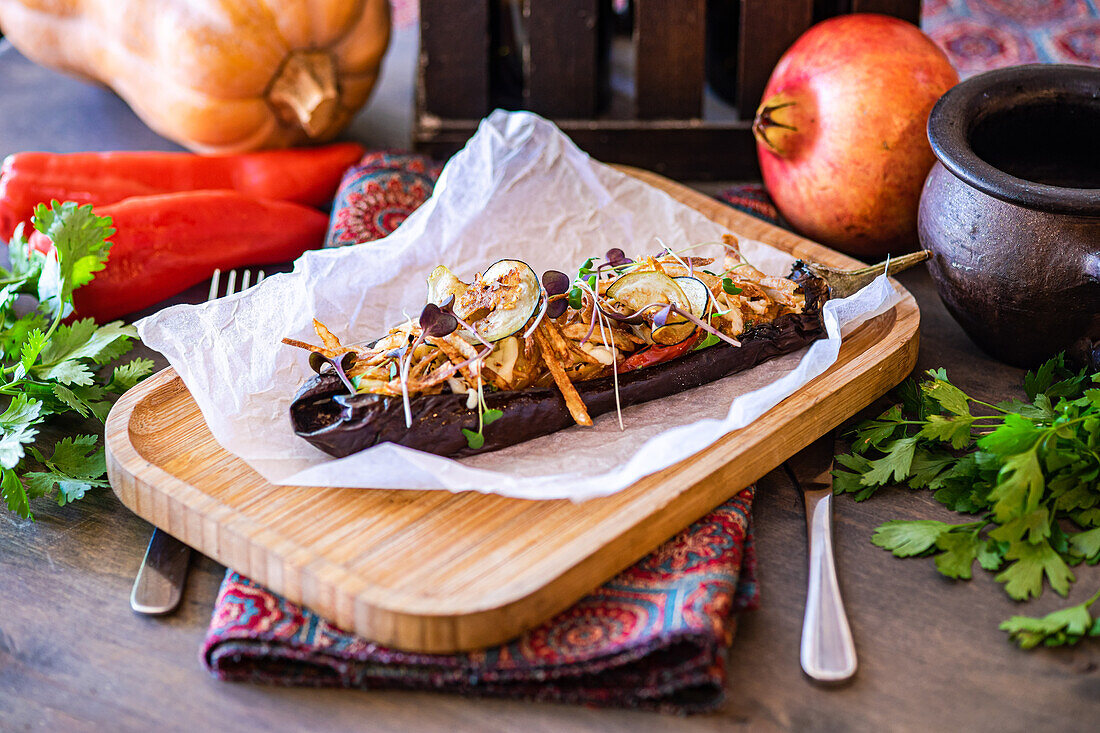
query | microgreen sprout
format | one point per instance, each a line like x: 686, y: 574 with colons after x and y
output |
x: 660, y: 318
x: 556, y: 284
x: 729, y: 288
x: 485, y: 416
x: 437, y: 322
x: 598, y: 315
x: 709, y: 341
x: 615, y: 260
x: 689, y: 265
x: 317, y: 361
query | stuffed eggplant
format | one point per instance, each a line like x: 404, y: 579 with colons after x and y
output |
x: 510, y: 357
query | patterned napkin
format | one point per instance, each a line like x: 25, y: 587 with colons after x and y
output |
x: 654, y: 637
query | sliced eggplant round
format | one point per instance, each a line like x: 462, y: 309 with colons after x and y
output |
x: 697, y: 292
x: 443, y: 284
x: 639, y: 289
x: 698, y: 296
x: 508, y: 294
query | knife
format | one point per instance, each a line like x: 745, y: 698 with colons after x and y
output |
x: 828, y: 653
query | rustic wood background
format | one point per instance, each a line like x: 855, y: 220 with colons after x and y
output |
x: 655, y: 114
x: 73, y: 656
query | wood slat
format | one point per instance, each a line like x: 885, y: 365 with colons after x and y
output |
x: 439, y: 572
x: 563, y: 67
x: 454, y: 58
x: 905, y: 9
x: 669, y: 40
x: 768, y: 28
x: 678, y: 149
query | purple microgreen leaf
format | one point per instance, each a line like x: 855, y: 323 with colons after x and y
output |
x: 435, y: 322
x: 557, y: 307
x: 339, y: 367
x: 318, y: 361
x: 660, y: 318
x: 617, y: 258
x: 555, y: 282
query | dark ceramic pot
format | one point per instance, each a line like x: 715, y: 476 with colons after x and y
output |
x: 1011, y: 211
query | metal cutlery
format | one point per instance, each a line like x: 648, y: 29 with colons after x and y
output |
x: 158, y: 586
x: 828, y: 653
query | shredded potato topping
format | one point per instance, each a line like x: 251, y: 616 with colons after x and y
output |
x: 579, y: 344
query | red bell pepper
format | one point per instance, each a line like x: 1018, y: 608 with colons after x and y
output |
x: 306, y: 176
x: 165, y: 244
x: 658, y: 354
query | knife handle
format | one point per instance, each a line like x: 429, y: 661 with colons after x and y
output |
x: 828, y: 653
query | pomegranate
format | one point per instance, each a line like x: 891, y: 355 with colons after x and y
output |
x: 841, y: 131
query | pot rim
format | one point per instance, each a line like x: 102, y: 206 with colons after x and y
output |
x: 957, y: 113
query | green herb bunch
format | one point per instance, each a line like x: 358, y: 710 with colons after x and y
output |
x: 1028, y: 472
x: 49, y: 368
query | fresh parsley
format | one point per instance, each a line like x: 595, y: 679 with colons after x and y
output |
x: 1029, y: 472
x: 50, y: 368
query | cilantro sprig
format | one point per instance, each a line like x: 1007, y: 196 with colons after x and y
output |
x: 50, y: 368
x: 1028, y: 471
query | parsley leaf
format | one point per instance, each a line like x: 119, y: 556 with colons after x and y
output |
x: 17, y: 428
x: 80, y: 239
x: 1023, y: 579
x: 1027, y: 469
x: 126, y: 376
x: 1066, y: 626
x: 960, y: 549
x: 49, y: 368
x: 909, y: 538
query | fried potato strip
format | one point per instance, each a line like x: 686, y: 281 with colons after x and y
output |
x: 573, y: 399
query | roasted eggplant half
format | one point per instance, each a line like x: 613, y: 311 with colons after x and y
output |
x: 341, y: 423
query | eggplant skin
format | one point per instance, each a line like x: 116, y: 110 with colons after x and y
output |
x: 341, y: 424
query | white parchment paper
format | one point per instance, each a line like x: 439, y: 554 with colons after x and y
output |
x: 519, y: 189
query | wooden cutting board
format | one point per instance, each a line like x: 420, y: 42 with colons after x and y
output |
x: 435, y: 571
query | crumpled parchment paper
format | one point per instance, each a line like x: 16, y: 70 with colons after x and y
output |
x: 519, y: 189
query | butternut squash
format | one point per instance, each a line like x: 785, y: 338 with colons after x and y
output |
x: 217, y: 76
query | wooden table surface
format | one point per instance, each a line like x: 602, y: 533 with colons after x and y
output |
x: 74, y: 657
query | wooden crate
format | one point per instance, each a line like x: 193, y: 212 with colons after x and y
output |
x: 555, y: 57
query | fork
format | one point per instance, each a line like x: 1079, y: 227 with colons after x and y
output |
x: 158, y: 586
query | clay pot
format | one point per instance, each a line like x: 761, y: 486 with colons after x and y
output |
x: 1011, y: 211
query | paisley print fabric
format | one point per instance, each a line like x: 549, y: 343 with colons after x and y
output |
x: 378, y: 194
x: 653, y: 637
x: 979, y: 35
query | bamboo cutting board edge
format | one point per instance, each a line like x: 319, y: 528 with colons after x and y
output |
x: 424, y: 623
